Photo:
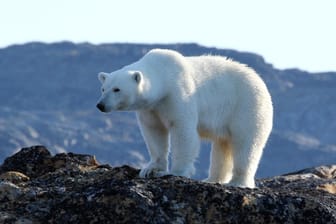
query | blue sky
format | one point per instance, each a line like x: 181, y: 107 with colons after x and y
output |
x: 287, y: 33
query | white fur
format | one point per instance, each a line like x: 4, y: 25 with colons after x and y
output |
x: 180, y: 99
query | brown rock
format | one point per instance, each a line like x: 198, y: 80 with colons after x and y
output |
x: 14, y: 177
x: 330, y: 187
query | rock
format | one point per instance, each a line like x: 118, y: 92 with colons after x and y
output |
x: 76, y: 189
x: 331, y: 188
x: 36, y: 161
x: 14, y: 177
x: 328, y: 172
x: 28, y: 161
x: 9, y: 191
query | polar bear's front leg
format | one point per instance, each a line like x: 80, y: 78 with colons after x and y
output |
x: 156, y: 139
x: 184, y: 141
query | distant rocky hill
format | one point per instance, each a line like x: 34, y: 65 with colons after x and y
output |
x: 36, y: 187
x: 48, y: 94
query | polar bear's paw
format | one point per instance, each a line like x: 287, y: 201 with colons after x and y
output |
x: 153, y: 170
x: 186, y: 171
x: 214, y: 180
x: 242, y: 183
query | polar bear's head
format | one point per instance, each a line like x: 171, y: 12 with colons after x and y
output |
x: 120, y: 90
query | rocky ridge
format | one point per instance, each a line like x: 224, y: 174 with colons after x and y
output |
x: 36, y: 187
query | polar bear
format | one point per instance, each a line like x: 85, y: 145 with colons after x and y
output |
x: 179, y: 99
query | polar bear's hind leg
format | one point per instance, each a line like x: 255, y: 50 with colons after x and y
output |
x: 221, y: 164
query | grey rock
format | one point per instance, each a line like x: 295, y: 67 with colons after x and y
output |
x: 9, y: 191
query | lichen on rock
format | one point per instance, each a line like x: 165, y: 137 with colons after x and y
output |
x: 73, y: 188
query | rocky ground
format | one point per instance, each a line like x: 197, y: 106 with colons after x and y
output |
x: 36, y: 187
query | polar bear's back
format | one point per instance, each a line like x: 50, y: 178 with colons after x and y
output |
x: 225, y: 77
x: 217, y: 67
x: 226, y: 89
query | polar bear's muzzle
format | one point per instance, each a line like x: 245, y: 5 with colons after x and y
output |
x: 106, y: 107
x: 101, y: 106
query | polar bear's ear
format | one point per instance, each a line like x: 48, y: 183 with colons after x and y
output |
x: 137, y: 76
x: 102, y: 76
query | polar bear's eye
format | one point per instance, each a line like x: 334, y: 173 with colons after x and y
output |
x: 115, y: 90
x: 103, y: 90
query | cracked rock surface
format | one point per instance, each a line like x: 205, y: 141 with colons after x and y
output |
x: 36, y: 187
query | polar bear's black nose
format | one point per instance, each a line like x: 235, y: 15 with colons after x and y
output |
x: 101, y: 107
